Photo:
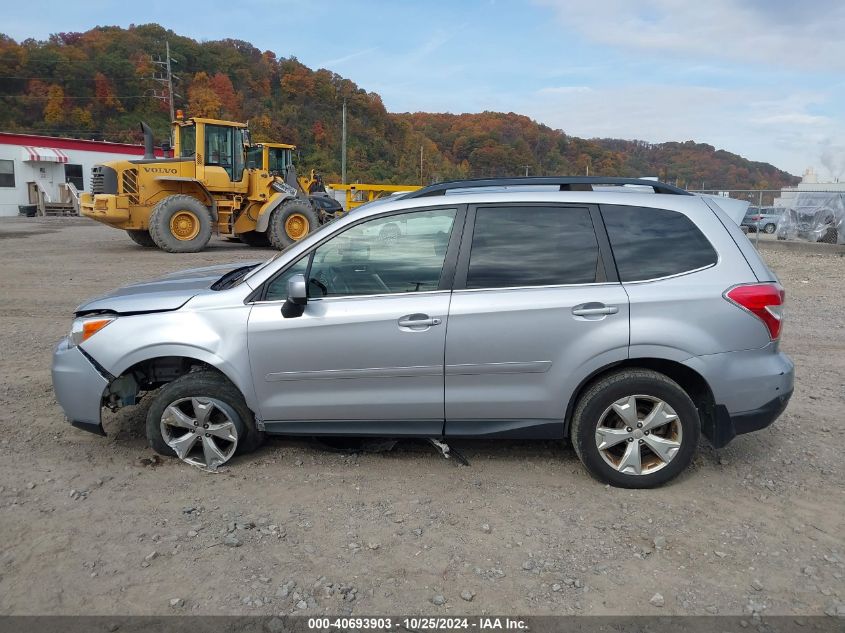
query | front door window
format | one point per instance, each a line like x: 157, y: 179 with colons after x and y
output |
x: 224, y: 148
x: 396, y: 254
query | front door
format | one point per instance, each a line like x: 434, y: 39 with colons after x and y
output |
x: 534, y: 310
x: 224, y: 157
x: 369, y: 346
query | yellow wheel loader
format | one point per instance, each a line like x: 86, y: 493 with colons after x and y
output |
x: 215, y: 182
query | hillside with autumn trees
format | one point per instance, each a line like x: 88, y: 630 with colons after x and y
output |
x: 101, y: 83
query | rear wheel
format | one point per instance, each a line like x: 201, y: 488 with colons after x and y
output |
x: 290, y: 222
x: 180, y: 224
x: 769, y: 228
x: 254, y: 238
x: 829, y: 237
x: 141, y: 237
x: 635, y: 428
x: 202, y: 419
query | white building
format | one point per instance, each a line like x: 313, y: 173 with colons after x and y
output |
x: 809, y: 182
x: 30, y: 163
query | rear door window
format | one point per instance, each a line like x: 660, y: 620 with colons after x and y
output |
x: 651, y: 243
x: 532, y: 246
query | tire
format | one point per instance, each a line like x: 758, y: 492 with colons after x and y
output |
x: 769, y: 228
x: 141, y: 237
x: 290, y: 222
x: 595, y: 406
x: 829, y: 237
x: 207, y: 386
x: 255, y: 238
x: 180, y: 224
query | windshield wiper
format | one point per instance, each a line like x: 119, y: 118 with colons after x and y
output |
x: 232, y: 277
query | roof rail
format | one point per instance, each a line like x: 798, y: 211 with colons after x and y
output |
x: 565, y: 183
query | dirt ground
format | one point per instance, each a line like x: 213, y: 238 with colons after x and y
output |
x: 94, y: 525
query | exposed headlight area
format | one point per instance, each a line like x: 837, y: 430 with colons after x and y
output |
x: 85, y: 327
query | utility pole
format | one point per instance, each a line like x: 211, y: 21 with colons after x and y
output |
x: 343, y: 148
x: 167, y: 80
x: 421, y: 165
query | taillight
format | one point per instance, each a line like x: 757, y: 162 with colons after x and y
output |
x: 765, y: 301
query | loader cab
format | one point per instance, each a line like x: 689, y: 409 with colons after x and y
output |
x: 218, y: 149
x: 275, y: 158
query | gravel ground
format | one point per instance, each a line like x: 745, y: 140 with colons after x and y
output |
x: 95, y: 525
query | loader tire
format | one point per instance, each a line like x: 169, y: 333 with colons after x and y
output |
x: 141, y: 237
x: 290, y: 222
x: 180, y: 224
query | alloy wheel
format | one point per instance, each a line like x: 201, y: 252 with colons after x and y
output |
x: 639, y: 435
x: 201, y: 431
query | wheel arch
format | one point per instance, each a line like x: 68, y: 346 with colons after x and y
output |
x: 164, y: 364
x: 690, y: 381
x: 267, y: 209
x: 201, y: 191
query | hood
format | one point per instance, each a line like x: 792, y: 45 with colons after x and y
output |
x: 164, y: 293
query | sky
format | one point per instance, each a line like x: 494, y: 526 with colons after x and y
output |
x: 762, y: 78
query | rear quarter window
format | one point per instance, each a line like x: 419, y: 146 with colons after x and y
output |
x: 651, y: 243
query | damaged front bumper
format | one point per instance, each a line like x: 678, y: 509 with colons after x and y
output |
x: 79, y: 387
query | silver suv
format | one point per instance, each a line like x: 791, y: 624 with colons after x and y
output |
x: 626, y: 315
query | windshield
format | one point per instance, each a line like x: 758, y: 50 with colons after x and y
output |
x: 278, y: 159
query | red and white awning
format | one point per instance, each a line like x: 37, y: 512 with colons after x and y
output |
x: 44, y: 154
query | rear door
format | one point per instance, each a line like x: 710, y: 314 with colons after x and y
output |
x: 536, y: 308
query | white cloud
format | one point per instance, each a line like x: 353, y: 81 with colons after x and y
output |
x: 330, y: 63
x: 792, y: 118
x: 806, y: 35
x: 760, y: 126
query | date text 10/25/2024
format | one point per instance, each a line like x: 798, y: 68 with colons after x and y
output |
x: 418, y: 624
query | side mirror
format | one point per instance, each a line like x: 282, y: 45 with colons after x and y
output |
x: 297, y: 297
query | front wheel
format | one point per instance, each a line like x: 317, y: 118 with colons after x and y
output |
x: 635, y: 428
x: 202, y: 419
x: 769, y: 228
x: 290, y: 222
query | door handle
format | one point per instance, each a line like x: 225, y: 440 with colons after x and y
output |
x: 418, y: 320
x: 598, y: 310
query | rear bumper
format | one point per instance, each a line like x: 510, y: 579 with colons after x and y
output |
x: 751, y: 388
x: 726, y: 426
x: 79, y: 387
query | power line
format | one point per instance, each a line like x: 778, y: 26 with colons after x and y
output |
x: 167, y: 80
